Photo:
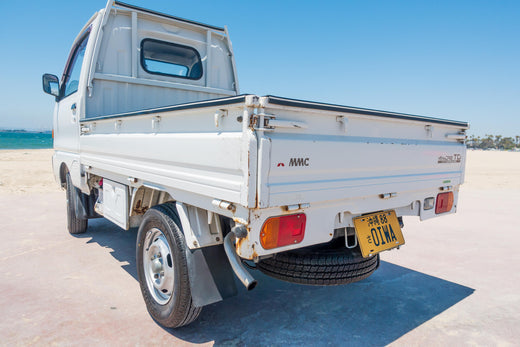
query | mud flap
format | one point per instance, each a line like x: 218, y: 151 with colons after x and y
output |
x: 84, y: 204
x: 211, y: 275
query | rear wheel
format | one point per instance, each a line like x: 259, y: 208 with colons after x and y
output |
x: 74, y: 224
x: 162, y: 268
x: 320, y: 266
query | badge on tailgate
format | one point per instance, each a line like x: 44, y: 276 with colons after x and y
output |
x: 378, y: 232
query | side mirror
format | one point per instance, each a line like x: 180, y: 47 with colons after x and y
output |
x: 51, y: 84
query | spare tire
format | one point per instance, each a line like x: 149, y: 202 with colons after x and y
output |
x: 320, y: 266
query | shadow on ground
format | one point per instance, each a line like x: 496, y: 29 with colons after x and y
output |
x: 375, y: 311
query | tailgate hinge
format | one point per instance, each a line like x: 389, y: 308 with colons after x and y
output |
x: 260, y: 121
x: 268, y: 122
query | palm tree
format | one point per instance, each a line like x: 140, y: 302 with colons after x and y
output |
x: 471, y: 142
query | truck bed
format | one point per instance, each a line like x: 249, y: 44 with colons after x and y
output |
x: 269, y: 152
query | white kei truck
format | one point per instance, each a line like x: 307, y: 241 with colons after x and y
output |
x: 150, y: 131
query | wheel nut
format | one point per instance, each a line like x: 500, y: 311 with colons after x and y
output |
x: 156, y: 276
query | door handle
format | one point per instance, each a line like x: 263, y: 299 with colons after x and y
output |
x: 73, y: 108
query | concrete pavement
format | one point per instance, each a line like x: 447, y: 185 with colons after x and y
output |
x: 456, y: 281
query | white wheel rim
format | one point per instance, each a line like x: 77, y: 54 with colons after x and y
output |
x: 158, y: 266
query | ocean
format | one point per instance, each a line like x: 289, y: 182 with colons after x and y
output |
x: 24, y: 140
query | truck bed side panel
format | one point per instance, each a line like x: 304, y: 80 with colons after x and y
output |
x: 177, y: 149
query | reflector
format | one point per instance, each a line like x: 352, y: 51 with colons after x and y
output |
x: 283, y: 230
x: 429, y: 203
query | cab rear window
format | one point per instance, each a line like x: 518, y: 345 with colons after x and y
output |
x: 170, y: 59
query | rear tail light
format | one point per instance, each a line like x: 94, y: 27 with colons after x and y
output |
x: 283, y: 230
x: 444, y: 202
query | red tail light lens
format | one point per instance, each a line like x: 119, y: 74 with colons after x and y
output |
x: 444, y: 202
x: 283, y: 231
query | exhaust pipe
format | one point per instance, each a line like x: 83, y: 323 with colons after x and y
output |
x: 240, y: 271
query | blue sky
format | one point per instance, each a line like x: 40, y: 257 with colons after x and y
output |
x: 451, y: 59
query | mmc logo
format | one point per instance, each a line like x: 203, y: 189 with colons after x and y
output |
x: 296, y: 162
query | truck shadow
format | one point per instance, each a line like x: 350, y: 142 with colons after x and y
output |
x: 376, y: 311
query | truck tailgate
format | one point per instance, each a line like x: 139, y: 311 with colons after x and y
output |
x: 310, y: 152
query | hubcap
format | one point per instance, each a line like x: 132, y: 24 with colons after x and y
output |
x: 158, y: 266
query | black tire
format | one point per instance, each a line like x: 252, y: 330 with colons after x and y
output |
x: 173, y: 307
x: 74, y: 224
x: 320, y: 266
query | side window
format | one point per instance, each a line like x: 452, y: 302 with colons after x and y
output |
x: 170, y: 59
x: 71, y: 78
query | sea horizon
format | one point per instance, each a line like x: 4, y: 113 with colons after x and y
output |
x: 18, y: 130
x: 25, y: 139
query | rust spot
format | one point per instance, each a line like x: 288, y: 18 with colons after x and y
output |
x: 139, y: 209
x: 241, y: 221
x: 239, y: 243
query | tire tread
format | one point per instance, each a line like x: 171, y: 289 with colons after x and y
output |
x: 74, y: 224
x: 336, y: 267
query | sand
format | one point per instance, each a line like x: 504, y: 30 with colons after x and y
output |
x: 492, y: 170
x: 26, y: 171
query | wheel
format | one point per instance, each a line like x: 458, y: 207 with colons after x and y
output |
x: 74, y: 224
x: 162, y: 268
x: 320, y: 266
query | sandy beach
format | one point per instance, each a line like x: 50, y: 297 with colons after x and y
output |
x: 25, y: 171
x: 455, y: 282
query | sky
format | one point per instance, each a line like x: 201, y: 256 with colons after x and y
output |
x: 449, y: 59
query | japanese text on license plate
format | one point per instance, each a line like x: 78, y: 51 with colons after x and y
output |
x: 378, y: 232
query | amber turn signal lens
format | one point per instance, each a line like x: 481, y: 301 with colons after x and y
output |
x: 444, y: 202
x: 283, y: 230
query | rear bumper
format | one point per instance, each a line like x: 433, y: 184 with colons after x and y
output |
x: 323, y: 218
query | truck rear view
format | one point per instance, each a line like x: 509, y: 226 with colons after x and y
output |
x: 152, y: 132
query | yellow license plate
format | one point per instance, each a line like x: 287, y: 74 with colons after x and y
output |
x: 378, y: 232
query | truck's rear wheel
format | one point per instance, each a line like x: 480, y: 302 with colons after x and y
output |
x: 162, y: 268
x: 74, y: 224
x: 320, y: 266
